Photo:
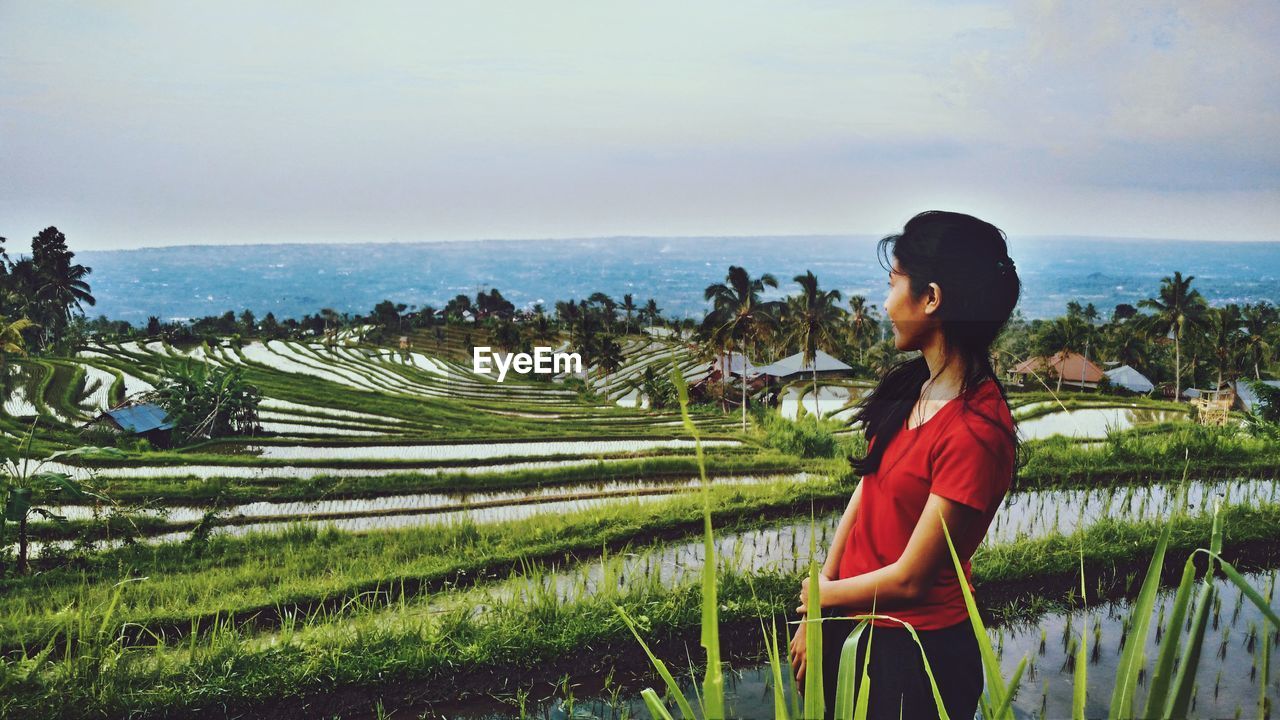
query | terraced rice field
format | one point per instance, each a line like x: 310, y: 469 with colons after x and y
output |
x: 366, y: 426
x: 396, y: 499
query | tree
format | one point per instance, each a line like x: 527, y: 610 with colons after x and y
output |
x: 25, y: 485
x: 1061, y: 336
x: 650, y: 313
x: 11, y: 341
x: 270, y: 328
x: 387, y: 315
x: 629, y: 306
x: 60, y: 283
x: 507, y: 336
x: 657, y: 386
x: 207, y: 403
x: 1258, y: 318
x: 739, y: 317
x: 813, y: 324
x: 1127, y: 345
x: 1178, y: 310
x: 608, y: 354
x: 1226, y: 341
x: 607, y: 305
x: 1123, y: 311
x: 863, y: 324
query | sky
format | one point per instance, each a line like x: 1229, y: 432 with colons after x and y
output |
x: 159, y: 123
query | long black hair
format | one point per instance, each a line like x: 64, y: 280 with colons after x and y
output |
x: 969, y: 259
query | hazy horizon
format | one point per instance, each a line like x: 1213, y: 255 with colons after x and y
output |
x: 16, y: 246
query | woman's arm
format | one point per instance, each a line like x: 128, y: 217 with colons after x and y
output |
x: 907, y: 580
x: 831, y: 568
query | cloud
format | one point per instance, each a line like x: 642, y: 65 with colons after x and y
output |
x: 1166, y: 96
x: 149, y: 122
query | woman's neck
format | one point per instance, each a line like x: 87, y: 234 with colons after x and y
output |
x: 945, y: 382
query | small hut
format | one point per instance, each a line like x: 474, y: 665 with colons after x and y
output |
x: 146, y: 420
x: 1129, y: 379
x: 794, y: 367
x: 1073, y: 368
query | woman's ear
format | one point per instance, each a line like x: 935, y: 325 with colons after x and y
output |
x: 933, y: 300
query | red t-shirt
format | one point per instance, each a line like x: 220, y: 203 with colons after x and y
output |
x: 957, y: 454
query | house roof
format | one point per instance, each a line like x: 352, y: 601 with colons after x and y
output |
x: 1130, y: 379
x: 735, y: 364
x: 1070, y: 366
x: 1248, y: 397
x: 794, y: 364
x: 141, y: 418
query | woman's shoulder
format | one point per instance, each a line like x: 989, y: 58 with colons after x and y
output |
x: 985, y: 418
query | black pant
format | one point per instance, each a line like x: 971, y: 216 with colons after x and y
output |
x: 899, y: 685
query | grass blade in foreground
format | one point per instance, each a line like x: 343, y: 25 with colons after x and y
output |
x: 661, y: 667
x: 997, y: 696
x: 1169, y: 643
x: 713, y: 682
x: 712, y: 700
x: 1132, y: 657
x: 814, y: 697
x: 1081, y: 688
x: 1179, y: 699
x: 775, y: 665
x: 844, y: 683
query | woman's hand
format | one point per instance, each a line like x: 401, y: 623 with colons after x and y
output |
x: 799, y: 660
x: 824, y: 582
x: 797, y: 653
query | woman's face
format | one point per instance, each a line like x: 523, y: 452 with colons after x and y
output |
x: 911, y: 318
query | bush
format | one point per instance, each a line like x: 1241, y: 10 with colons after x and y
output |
x: 807, y: 437
x: 1268, y: 404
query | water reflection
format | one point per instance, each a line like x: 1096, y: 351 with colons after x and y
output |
x: 1093, y: 422
x: 1227, y: 678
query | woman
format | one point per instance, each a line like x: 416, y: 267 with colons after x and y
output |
x: 941, y: 444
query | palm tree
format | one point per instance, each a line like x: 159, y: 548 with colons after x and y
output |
x: 739, y: 317
x: 882, y: 356
x: 331, y: 325
x: 1061, y: 336
x: 813, y: 324
x: 608, y: 355
x: 542, y: 332
x: 1225, y: 339
x: 629, y: 305
x: 1177, y: 310
x: 1125, y: 344
x: 651, y: 312
x: 1258, y: 319
x: 11, y: 341
x: 64, y: 286
x: 863, y: 322
x: 607, y: 304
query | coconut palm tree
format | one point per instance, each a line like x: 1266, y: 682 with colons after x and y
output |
x: 1258, y: 319
x: 651, y: 313
x: 11, y: 340
x: 1123, y: 343
x: 607, y: 305
x: 1179, y: 309
x: 609, y: 355
x: 739, y: 318
x: 629, y: 306
x: 1061, y: 336
x: 1223, y: 331
x: 813, y: 323
x: 542, y: 332
x: 863, y: 323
